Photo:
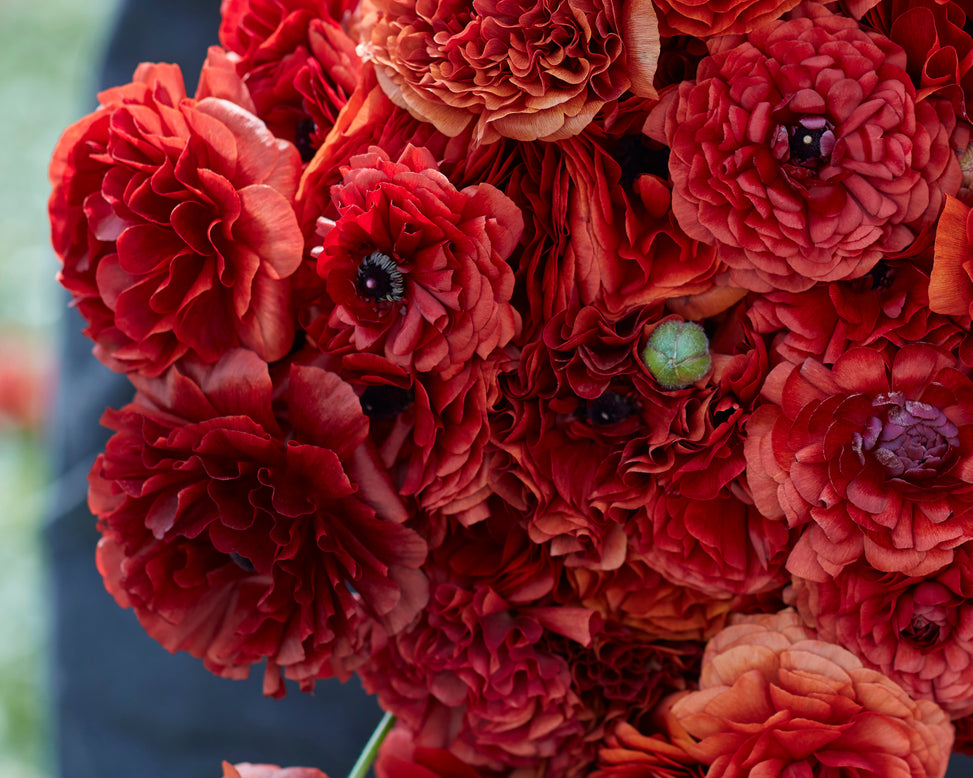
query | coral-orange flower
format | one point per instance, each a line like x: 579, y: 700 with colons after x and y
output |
x: 524, y: 70
x: 773, y: 700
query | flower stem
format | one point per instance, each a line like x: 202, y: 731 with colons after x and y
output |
x: 370, y: 751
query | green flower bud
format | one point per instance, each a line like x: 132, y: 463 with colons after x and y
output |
x: 677, y: 354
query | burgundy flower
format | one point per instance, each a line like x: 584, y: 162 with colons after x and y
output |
x: 802, y: 152
x: 415, y: 269
x: 600, y: 229
x: 297, y: 60
x: 873, y: 455
x: 237, y: 539
x: 917, y: 631
x: 483, y: 672
x: 774, y: 700
x: 173, y: 220
x: 518, y: 70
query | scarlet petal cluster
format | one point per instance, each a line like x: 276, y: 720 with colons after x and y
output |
x: 237, y: 541
x: 174, y: 223
x: 774, y: 700
x: 802, y: 152
x: 414, y: 269
x: 718, y: 18
x: 873, y: 455
x: 520, y: 70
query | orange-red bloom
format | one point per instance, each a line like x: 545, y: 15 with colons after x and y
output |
x: 521, y: 70
x: 773, y: 700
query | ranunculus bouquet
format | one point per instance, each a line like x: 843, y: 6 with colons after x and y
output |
x: 591, y: 377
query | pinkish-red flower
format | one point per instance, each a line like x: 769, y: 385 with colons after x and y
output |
x: 803, y: 154
x: 873, y: 457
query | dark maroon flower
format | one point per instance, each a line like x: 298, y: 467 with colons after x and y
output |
x: 237, y: 539
x: 173, y: 220
x: 802, y: 152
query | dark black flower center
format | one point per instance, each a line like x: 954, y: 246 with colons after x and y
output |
x: 383, y: 401
x: 636, y: 155
x: 379, y: 279
x: 242, y: 562
x: 302, y: 139
x: 805, y: 143
x: 882, y: 276
x: 610, y: 408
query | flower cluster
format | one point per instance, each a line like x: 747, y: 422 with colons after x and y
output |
x: 592, y: 378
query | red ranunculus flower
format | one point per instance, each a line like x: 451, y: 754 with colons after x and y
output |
x: 297, y: 60
x: 887, y: 307
x: 248, y: 770
x: 415, y: 269
x: 951, y: 281
x: 718, y: 18
x: 801, y: 151
x: 917, y: 631
x: 518, y: 70
x: 485, y: 671
x: 774, y: 700
x: 173, y: 220
x: 874, y: 455
x: 237, y: 539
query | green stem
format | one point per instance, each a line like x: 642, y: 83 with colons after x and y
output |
x: 370, y: 751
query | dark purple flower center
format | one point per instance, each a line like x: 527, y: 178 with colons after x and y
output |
x: 302, y: 138
x: 610, y: 408
x: 379, y: 279
x: 912, y: 440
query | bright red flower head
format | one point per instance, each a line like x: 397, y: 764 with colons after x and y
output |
x: 173, y: 220
x: 774, y: 700
x: 523, y: 70
x: 874, y: 455
x: 723, y: 17
x: 415, y: 269
x: 802, y: 152
x: 238, y: 539
x: 917, y: 631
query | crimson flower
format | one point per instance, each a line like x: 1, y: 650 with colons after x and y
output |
x: 414, y: 269
x: 174, y: 223
x: 238, y: 539
x: 802, y: 153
